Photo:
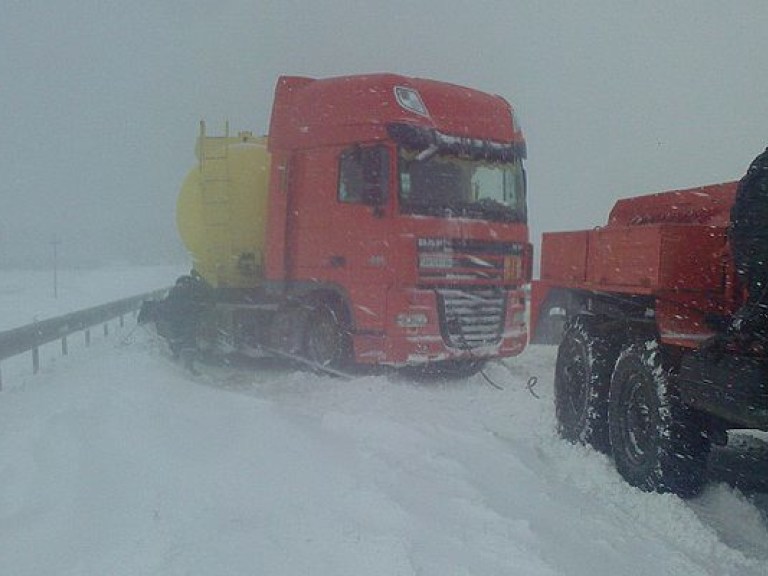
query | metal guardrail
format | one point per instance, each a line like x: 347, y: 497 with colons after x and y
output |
x: 31, y: 337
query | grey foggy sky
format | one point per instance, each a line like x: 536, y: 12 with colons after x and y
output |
x: 101, y: 99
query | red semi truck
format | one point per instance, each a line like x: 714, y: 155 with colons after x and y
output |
x: 381, y: 221
x: 637, y: 306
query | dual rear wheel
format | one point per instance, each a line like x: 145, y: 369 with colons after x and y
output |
x: 621, y: 400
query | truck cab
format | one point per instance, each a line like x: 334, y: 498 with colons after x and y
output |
x: 401, y: 203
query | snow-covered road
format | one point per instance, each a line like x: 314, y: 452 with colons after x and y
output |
x: 116, y: 461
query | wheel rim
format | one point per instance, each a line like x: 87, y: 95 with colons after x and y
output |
x: 324, y: 339
x: 637, y: 422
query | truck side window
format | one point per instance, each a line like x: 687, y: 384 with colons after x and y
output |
x: 364, y: 175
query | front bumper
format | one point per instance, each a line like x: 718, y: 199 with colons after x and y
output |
x: 425, y: 326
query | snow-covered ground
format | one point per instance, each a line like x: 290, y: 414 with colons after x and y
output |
x: 114, y: 461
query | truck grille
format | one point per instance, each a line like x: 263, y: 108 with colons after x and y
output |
x: 451, y: 262
x: 471, y: 318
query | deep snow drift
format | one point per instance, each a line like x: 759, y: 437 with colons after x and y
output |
x: 116, y: 461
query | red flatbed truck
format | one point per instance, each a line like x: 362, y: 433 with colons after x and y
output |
x: 381, y: 221
x: 635, y: 306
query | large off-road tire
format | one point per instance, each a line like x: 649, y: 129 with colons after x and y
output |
x: 582, y: 378
x: 327, y: 340
x: 658, y: 443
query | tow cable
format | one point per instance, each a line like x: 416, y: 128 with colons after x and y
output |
x: 532, y: 381
x: 490, y: 380
x: 531, y: 384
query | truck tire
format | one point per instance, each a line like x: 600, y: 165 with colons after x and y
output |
x: 658, y: 443
x: 287, y: 331
x: 327, y: 339
x: 582, y: 379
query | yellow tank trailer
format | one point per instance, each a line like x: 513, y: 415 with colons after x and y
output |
x: 221, y: 211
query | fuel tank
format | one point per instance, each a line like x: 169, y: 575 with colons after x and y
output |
x: 221, y: 211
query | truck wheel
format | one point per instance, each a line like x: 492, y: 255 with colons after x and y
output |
x: 582, y: 378
x: 658, y: 443
x: 287, y: 330
x: 327, y: 341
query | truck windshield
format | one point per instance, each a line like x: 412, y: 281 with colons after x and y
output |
x: 448, y: 186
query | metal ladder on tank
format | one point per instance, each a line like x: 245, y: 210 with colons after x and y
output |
x: 215, y: 192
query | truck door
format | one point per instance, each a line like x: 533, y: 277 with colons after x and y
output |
x: 341, y: 217
x: 360, y: 230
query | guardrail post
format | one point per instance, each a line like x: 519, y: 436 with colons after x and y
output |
x: 106, y: 330
x: 87, y: 337
x: 35, y: 360
x: 64, y: 348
